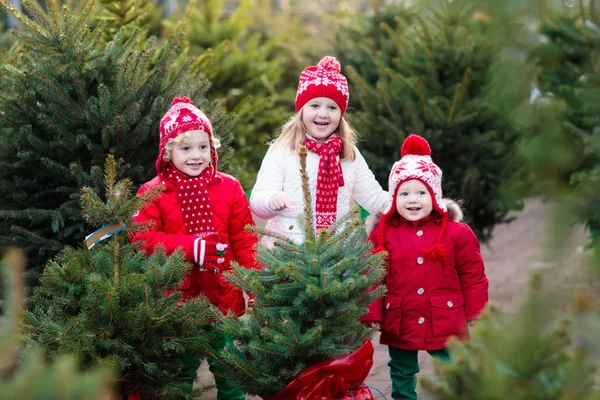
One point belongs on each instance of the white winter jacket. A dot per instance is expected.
(280, 171)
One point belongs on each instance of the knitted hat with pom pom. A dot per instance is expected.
(416, 163)
(182, 117)
(323, 80)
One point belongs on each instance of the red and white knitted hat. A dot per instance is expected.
(183, 116)
(323, 80)
(416, 163)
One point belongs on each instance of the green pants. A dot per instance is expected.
(404, 366)
(225, 391)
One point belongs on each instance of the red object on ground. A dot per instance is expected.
(339, 379)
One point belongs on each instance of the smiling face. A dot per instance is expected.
(192, 154)
(321, 117)
(413, 200)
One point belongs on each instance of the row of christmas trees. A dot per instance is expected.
(71, 91)
(92, 80)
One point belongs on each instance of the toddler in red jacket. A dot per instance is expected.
(435, 275)
(202, 211)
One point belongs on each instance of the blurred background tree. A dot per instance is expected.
(252, 53)
(552, 351)
(429, 70)
(25, 374)
(568, 61)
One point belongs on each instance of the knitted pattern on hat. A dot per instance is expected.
(323, 80)
(182, 117)
(416, 163)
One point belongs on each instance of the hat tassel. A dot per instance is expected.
(437, 252)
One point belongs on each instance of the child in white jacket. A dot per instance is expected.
(337, 172)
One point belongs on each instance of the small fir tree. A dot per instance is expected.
(107, 304)
(309, 297)
(27, 376)
(433, 79)
(67, 100)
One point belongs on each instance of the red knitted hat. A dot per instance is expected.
(183, 116)
(416, 163)
(323, 80)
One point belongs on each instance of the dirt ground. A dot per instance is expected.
(516, 249)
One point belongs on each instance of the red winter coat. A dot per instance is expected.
(428, 301)
(231, 214)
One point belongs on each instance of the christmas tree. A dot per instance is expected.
(549, 353)
(27, 376)
(68, 99)
(309, 298)
(567, 58)
(244, 49)
(431, 73)
(131, 15)
(106, 303)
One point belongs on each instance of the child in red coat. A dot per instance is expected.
(435, 276)
(203, 212)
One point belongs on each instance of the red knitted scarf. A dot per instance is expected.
(194, 200)
(329, 179)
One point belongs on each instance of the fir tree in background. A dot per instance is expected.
(252, 56)
(67, 100)
(28, 377)
(128, 14)
(568, 59)
(108, 306)
(434, 81)
(309, 298)
(550, 353)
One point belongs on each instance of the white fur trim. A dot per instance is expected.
(202, 251)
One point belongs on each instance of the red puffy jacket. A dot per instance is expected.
(231, 214)
(428, 301)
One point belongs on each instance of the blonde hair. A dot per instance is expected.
(215, 143)
(293, 133)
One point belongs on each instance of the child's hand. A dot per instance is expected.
(471, 322)
(372, 324)
(279, 202)
(209, 250)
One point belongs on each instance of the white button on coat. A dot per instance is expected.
(419, 233)
(420, 290)
(450, 304)
(420, 260)
(421, 320)
(387, 306)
